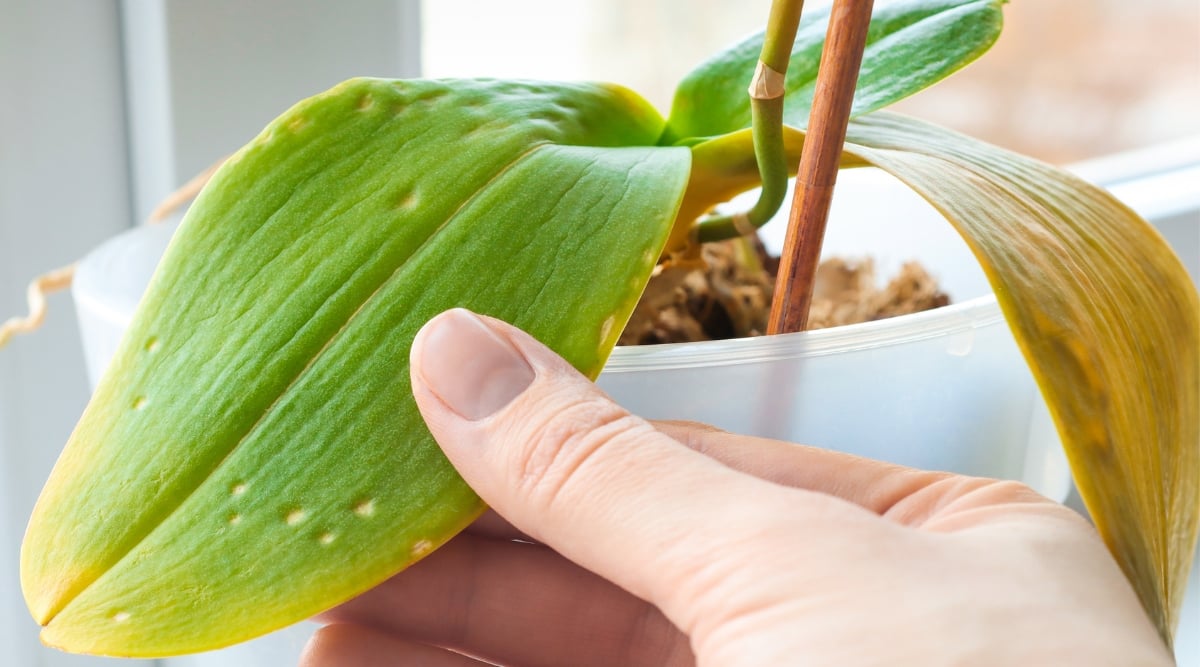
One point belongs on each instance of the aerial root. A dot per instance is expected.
(60, 279)
(185, 193)
(42, 286)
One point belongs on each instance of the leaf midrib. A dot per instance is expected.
(296, 379)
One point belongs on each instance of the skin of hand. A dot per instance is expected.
(625, 542)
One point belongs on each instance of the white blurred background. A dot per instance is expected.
(108, 105)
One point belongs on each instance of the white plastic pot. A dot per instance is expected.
(945, 389)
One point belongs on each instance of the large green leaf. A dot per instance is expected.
(254, 455)
(911, 44)
(1108, 320)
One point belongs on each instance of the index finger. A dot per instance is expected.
(903, 494)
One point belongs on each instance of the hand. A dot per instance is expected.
(671, 544)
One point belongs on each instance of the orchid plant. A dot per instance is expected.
(254, 456)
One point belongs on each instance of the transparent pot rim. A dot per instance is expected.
(947, 321)
(85, 300)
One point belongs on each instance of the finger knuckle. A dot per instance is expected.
(561, 449)
(981, 491)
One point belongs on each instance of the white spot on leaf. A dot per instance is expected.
(421, 547)
(407, 202)
(606, 328)
(365, 508)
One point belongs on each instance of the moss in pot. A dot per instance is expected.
(323, 245)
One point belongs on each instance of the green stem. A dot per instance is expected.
(781, 34)
(766, 114)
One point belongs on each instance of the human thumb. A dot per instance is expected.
(560, 460)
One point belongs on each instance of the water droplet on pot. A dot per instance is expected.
(960, 344)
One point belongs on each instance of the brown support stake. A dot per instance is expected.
(836, 78)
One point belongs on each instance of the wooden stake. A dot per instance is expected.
(836, 79)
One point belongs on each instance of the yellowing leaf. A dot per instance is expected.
(1107, 318)
(1105, 313)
